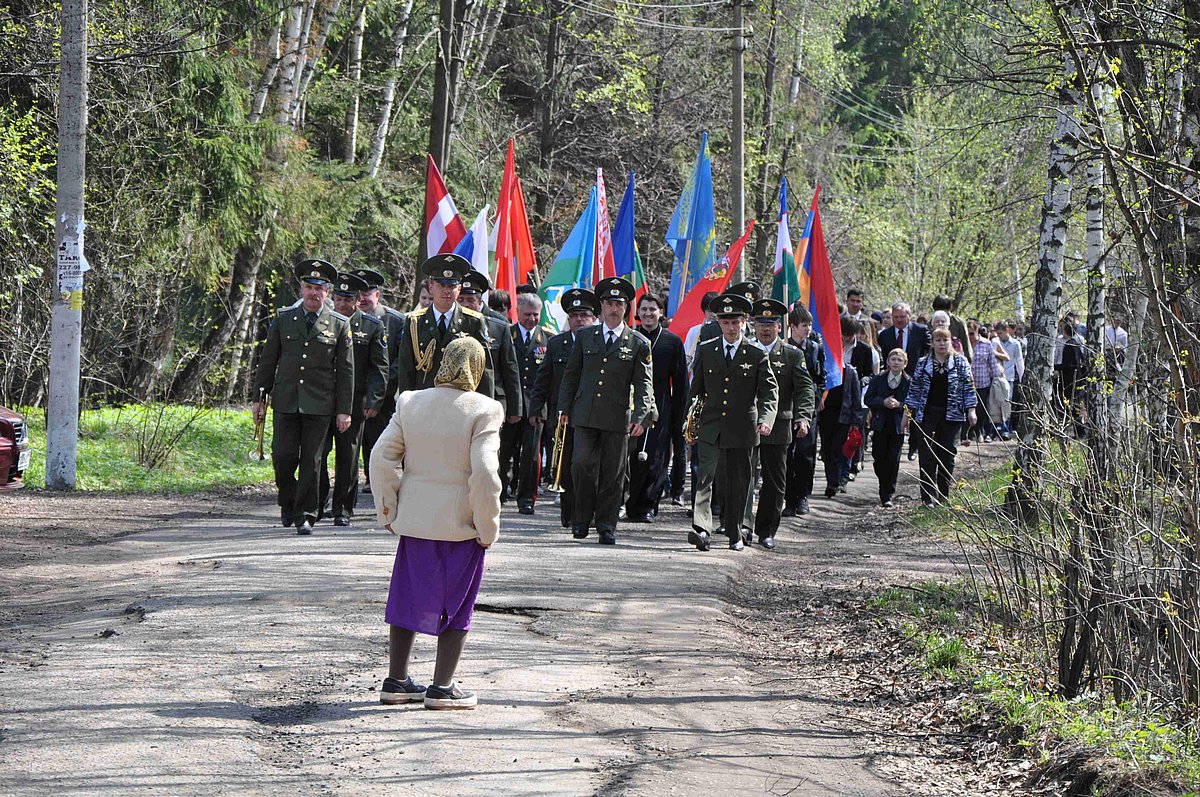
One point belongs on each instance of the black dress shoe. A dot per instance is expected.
(643, 518)
(737, 545)
(802, 509)
(789, 511)
(305, 528)
(285, 519)
(579, 532)
(699, 539)
(677, 500)
(747, 536)
(525, 509)
(341, 520)
(768, 543)
(912, 455)
(608, 537)
(830, 492)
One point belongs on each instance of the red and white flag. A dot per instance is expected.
(444, 228)
(604, 266)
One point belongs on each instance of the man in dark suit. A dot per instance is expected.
(648, 476)
(802, 453)
(501, 365)
(610, 364)
(906, 334)
(733, 378)
(520, 442)
(430, 329)
(393, 329)
(581, 308)
(795, 409)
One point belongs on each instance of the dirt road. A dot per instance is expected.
(206, 650)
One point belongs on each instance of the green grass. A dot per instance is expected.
(128, 449)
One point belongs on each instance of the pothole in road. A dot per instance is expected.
(283, 716)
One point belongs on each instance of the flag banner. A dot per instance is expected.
(717, 279)
(784, 287)
(505, 277)
(823, 303)
(522, 238)
(627, 262)
(801, 259)
(604, 240)
(444, 229)
(573, 266)
(692, 234)
(473, 246)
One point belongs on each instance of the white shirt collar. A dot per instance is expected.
(764, 346)
(618, 331)
(438, 314)
(735, 344)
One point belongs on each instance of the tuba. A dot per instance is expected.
(691, 426)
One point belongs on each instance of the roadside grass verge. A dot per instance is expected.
(157, 448)
(965, 636)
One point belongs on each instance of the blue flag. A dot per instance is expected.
(692, 235)
(624, 248)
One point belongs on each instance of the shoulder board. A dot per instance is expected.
(370, 319)
(419, 312)
(336, 316)
(547, 330)
(467, 311)
(282, 311)
(393, 311)
(639, 336)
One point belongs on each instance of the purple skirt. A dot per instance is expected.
(434, 585)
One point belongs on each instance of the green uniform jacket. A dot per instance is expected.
(421, 325)
(795, 391)
(393, 323)
(370, 361)
(304, 370)
(599, 381)
(529, 359)
(503, 367)
(543, 401)
(737, 397)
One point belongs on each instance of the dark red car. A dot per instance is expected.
(14, 449)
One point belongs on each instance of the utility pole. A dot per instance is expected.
(738, 150)
(66, 319)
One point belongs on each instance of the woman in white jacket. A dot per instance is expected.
(435, 475)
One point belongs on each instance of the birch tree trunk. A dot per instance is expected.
(285, 96)
(302, 52)
(350, 144)
(388, 98)
(268, 77)
(762, 243)
(328, 18)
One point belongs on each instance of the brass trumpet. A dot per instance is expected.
(556, 454)
(260, 429)
(691, 426)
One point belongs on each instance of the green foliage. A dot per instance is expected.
(209, 453)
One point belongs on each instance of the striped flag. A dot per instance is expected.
(627, 262)
(785, 286)
(444, 229)
(822, 294)
(604, 240)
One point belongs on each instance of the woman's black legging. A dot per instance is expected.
(939, 447)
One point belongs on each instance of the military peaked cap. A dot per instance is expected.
(446, 268)
(316, 271)
(349, 285)
(475, 282)
(370, 276)
(730, 305)
(750, 289)
(577, 299)
(617, 289)
(768, 310)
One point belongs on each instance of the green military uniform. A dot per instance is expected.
(420, 353)
(519, 442)
(502, 368)
(307, 368)
(370, 381)
(602, 377)
(739, 393)
(795, 404)
(393, 331)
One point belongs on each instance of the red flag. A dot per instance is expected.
(443, 226)
(522, 238)
(605, 267)
(823, 300)
(506, 278)
(717, 279)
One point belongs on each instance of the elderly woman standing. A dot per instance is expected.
(941, 399)
(436, 477)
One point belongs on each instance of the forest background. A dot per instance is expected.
(228, 140)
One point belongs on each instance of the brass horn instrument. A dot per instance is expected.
(691, 426)
(556, 454)
(260, 429)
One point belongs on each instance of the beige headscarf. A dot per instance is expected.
(462, 365)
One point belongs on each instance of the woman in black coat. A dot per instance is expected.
(885, 398)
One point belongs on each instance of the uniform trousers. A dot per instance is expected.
(566, 499)
(648, 480)
(345, 466)
(801, 466)
(886, 446)
(373, 427)
(679, 449)
(731, 469)
(598, 476)
(525, 451)
(299, 443)
(939, 447)
(833, 437)
(510, 458)
(772, 463)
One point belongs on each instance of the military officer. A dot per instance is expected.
(501, 364)
(733, 378)
(794, 412)
(370, 379)
(430, 329)
(802, 454)
(581, 308)
(307, 367)
(648, 474)
(369, 301)
(520, 442)
(610, 364)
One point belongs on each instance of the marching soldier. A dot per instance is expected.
(610, 364)
(648, 475)
(501, 363)
(370, 379)
(581, 308)
(429, 330)
(393, 329)
(307, 367)
(733, 379)
(802, 454)
(520, 442)
(795, 409)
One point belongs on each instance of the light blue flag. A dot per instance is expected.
(692, 235)
(573, 266)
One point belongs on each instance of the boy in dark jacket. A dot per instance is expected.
(885, 399)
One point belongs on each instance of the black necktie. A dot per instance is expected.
(442, 326)
(611, 337)
(900, 340)
(310, 319)
(728, 353)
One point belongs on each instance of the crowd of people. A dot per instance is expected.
(607, 418)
